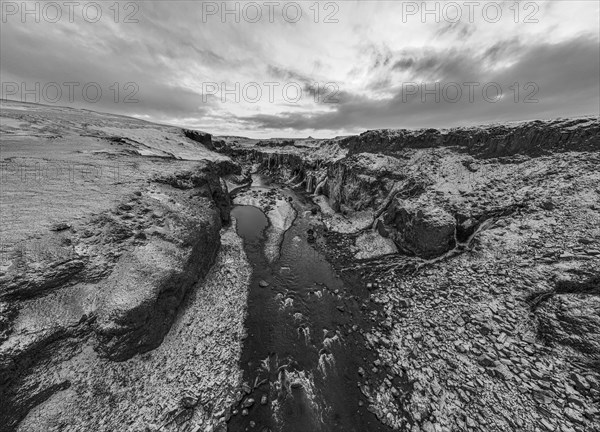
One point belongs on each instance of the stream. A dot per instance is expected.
(302, 352)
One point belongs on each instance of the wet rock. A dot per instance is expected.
(248, 403)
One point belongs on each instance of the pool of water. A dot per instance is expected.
(301, 357)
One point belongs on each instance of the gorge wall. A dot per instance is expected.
(418, 186)
(127, 219)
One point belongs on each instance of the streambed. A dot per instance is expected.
(302, 352)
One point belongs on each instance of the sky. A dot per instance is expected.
(297, 69)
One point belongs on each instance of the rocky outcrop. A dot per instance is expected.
(362, 181)
(204, 181)
(366, 173)
(147, 285)
(124, 283)
(529, 138)
(421, 228)
(570, 315)
(200, 137)
(99, 257)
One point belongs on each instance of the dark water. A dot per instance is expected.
(301, 352)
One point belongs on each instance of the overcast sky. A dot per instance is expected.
(371, 60)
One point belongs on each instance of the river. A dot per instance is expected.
(303, 351)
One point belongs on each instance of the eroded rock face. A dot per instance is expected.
(134, 267)
(362, 181)
(201, 137)
(143, 292)
(99, 262)
(533, 138)
(570, 315)
(421, 228)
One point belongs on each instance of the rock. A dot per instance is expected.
(427, 426)
(486, 361)
(200, 137)
(580, 382)
(572, 319)
(574, 416)
(352, 181)
(248, 403)
(188, 401)
(547, 425)
(263, 283)
(372, 245)
(585, 240)
(485, 329)
(548, 205)
(60, 226)
(421, 228)
(542, 397)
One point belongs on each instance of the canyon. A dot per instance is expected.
(155, 278)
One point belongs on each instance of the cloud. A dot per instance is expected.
(363, 63)
(563, 76)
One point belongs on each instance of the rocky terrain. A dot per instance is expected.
(488, 317)
(472, 257)
(108, 226)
